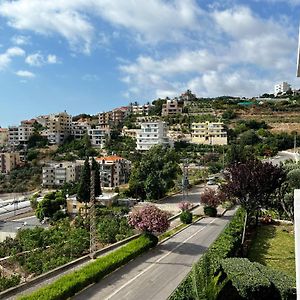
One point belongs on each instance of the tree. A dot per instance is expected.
(95, 167)
(252, 184)
(83, 193)
(212, 197)
(150, 219)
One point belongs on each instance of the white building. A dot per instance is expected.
(79, 130)
(20, 134)
(142, 110)
(281, 88)
(151, 134)
(56, 174)
(208, 133)
(171, 107)
(99, 136)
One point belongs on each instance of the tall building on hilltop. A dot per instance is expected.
(281, 88)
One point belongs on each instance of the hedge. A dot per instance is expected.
(226, 245)
(246, 280)
(70, 284)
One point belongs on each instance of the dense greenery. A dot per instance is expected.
(7, 282)
(66, 286)
(155, 174)
(186, 217)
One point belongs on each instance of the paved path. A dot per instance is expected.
(155, 274)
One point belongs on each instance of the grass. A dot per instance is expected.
(274, 247)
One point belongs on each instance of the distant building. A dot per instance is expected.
(79, 130)
(187, 96)
(208, 133)
(141, 110)
(171, 107)
(57, 174)
(3, 136)
(20, 134)
(9, 161)
(129, 132)
(281, 88)
(114, 170)
(151, 134)
(99, 136)
(114, 117)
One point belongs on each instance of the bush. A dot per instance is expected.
(6, 283)
(68, 285)
(186, 217)
(210, 211)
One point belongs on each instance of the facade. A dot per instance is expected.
(79, 130)
(59, 127)
(142, 110)
(114, 170)
(3, 136)
(129, 132)
(20, 134)
(99, 136)
(151, 134)
(114, 117)
(208, 133)
(9, 161)
(56, 174)
(171, 107)
(281, 88)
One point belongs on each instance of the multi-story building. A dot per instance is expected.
(142, 110)
(20, 134)
(56, 174)
(79, 129)
(151, 134)
(129, 132)
(114, 117)
(99, 136)
(9, 161)
(171, 107)
(281, 88)
(114, 170)
(59, 127)
(208, 133)
(3, 136)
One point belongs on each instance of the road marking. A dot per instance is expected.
(157, 261)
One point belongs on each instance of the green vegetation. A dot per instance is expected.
(68, 285)
(274, 246)
(8, 282)
(186, 217)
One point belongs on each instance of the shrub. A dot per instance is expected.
(150, 219)
(186, 217)
(210, 211)
(212, 197)
(68, 285)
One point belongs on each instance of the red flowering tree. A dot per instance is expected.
(185, 205)
(150, 219)
(212, 197)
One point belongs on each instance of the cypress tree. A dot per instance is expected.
(83, 192)
(96, 168)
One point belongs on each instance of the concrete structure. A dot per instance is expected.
(79, 129)
(208, 133)
(281, 88)
(171, 107)
(3, 136)
(151, 134)
(114, 117)
(142, 110)
(129, 132)
(56, 174)
(99, 136)
(114, 170)
(9, 161)
(59, 127)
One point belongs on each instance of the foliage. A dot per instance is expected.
(83, 192)
(37, 141)
(149, 219)
(212, 197)
(155, 174)
(95, 167)
(68, 285)
(226, 245)
(210, 211)
(185, 205)
(186, 217)
(7, 282)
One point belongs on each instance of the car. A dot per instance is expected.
(210, 182)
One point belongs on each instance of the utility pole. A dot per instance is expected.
(185, 180)
(93, 231)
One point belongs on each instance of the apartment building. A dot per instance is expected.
(56, 174)
(151, 134)
(208, 133)
(3, 136)
(20, 134)
(114, 170)
(142, 110)
(9, 161)
(99, 136)
(59, 127)
(281, 88)
(79, 130)
(114, 117)
(171, 107)
(129, 132)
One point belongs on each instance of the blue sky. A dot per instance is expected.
(93, 55)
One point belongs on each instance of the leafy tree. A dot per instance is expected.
(150, 219)
(212, 197)
(83, 192)
(253, 183)
(37, 141)
(249, 138)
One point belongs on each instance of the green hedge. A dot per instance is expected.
(226, 245)
(243, 279)
(68, 285)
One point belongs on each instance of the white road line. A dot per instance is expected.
(157, 261)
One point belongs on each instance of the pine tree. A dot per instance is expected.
(83, 192)
(95, 167)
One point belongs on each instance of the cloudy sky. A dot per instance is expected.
(94, 55)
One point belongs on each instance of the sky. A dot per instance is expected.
(89, 56)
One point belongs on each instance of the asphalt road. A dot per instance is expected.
(283, 156)
(155, 274)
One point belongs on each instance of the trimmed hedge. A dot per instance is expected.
(70, 284)
(186, 217)
(243, 279)
(226, 245)
(210, 211)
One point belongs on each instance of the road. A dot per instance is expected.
(155, 274)
(282, 156)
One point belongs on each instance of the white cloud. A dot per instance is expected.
(6, 57)
(20, 40)
(38, 60)
(25, 74)
(90, 77)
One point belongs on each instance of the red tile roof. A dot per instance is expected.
(109, 158)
